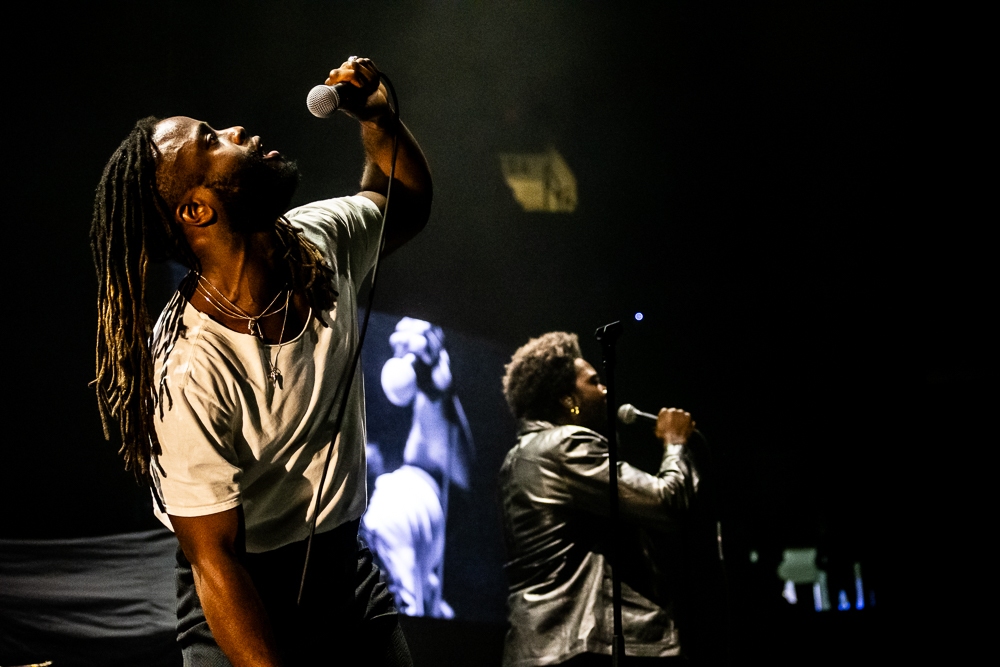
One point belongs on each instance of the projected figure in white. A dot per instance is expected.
(405, 521)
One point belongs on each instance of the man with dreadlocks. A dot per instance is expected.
(228, 406)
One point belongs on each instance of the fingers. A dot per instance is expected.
(359, 72)
(674, 415)
(674, 425)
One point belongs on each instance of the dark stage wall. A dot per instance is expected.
(785, 190)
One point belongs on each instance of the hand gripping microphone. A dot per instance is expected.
(323, 101)
(628, 413)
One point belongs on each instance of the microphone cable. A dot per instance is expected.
(714, 507)
(361, 336)
(724, 599)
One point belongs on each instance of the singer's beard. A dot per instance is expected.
(258, 191)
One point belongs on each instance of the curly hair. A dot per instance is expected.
(540, 373)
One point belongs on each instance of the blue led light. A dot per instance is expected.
(638, 317)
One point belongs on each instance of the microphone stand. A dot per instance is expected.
(607, 335)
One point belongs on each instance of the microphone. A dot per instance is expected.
(323, 101)
(628, 413)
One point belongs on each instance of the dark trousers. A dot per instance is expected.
(346, 608)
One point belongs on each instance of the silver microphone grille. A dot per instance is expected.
(627, 413)
(323, 101)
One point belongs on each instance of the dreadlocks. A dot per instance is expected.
(130, 223)
(133, 224)
(310, 271)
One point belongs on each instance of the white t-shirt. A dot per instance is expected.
(228, 437)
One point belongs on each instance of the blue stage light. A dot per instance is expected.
(638, 317)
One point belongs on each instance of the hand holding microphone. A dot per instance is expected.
(355, 87)
(673, 425)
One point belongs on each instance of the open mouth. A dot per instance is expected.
(259, 147)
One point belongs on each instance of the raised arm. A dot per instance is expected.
(653, 501)
(233, 609)
(411, 190)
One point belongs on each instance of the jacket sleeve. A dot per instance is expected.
(651, 501)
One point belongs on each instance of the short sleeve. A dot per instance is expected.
(196, 471)
(346, 229)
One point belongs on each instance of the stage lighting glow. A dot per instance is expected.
(540, 181)
(638, 317)
(799, 565)
(789, 592)
(821, 596)
(859, 588)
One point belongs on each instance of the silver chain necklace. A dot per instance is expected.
(275, 375)
(230, 309)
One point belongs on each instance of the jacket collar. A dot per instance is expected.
(533, 426)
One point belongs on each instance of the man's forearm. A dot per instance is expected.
(412, 191)
(412, 171)
(234, 612)
(656, 501)
(652, 501)
(379, 127)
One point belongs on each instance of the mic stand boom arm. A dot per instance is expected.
(607, 335)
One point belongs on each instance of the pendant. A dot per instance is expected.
(275, 377)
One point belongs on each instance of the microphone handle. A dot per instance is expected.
(347, 93)
(652, 417)
(645, 415)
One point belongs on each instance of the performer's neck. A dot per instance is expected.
(244, 267)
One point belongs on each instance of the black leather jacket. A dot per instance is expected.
(554, 493)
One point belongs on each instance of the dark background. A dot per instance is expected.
(790, 192)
